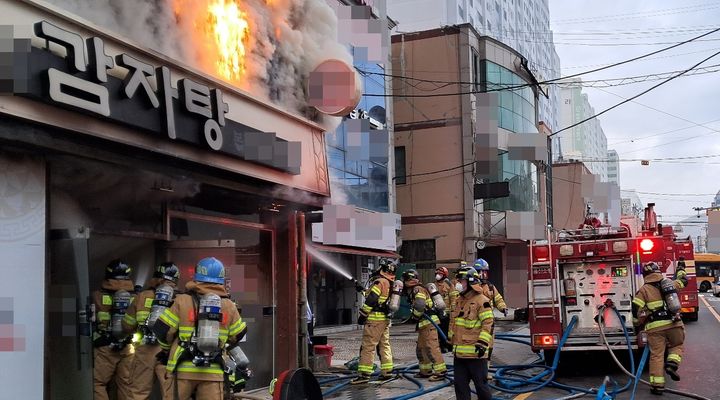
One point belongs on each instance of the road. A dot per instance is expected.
(700, 370)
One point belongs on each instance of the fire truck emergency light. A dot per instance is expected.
(541, 253)
(647, 244)
(545, 340)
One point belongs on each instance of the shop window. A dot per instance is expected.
(400, 171)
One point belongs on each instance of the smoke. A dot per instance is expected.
(338, 195)
(287, 39)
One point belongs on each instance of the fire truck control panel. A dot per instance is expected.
(586, 286)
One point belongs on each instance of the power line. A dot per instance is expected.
(640, 14)
(661, 133)
(635, 96)
(546, 81)
(435, 172)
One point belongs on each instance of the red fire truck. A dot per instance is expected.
(581, 270)
(676, 248)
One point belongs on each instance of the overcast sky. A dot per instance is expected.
(692, 100)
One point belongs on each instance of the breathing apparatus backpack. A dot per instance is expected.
(163, 299)
(204, 348)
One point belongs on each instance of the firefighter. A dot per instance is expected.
(471, 327)
(653, 312)
(483, 269)
(140, 317)
(376, 331)
(445, 286)
(196, 329)
(449, 294)
(680, 273)
(113, 350)
(430, 358)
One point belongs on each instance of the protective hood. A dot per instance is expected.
(203, 288)
(114, 285)
(388, 276)
(654, 277)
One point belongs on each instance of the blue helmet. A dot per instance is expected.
(481, 265)
(210, 270)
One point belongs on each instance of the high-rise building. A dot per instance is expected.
(524, 25)
(586, 141)
(613, 167)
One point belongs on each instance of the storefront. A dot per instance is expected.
(111, 151)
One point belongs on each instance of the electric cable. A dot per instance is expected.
(635, 96)
(696, 38)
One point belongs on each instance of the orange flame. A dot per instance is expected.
(228, 26)
(221, 34)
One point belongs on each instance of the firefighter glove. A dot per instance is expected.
(162, 357)
(481, 348)
(241, 378)
(358, 287)
(362, 318)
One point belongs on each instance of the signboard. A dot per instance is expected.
(348, 226)
(85, 80)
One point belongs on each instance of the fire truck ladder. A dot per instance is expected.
(544, 283)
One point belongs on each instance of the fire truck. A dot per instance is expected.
(577, 272)
(677, 250)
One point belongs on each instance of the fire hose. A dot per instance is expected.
(636, 377)
(511, 380)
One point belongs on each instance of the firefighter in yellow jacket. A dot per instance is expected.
(113, 350)
(471, 326)
(139, 319)
(376, 331)
(655, 310)
(450, 295)
(195, 330)
(431, 362)
(489, 290)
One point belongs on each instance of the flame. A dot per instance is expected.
(228, 26)
(221, 34)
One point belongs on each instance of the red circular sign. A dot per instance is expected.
(334, 88)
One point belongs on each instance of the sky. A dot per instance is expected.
(610, 26)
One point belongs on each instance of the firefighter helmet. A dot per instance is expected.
(410, 278)
(117, 269)
(168, 271)
(442, 271)
(387, 265)
(210, 270)
(469, 274)
(650, 268)
(483, 268)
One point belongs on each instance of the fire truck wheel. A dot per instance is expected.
(693, 317)
(704, 286)
(549, 356)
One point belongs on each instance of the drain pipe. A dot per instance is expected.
(302, 292)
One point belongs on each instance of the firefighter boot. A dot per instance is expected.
(671, 369)
(657, 391)
(437, 377)
(360, 379)
(386, 376)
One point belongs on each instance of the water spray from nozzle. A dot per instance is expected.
(328, 261)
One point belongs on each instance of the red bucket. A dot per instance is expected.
(324, 350)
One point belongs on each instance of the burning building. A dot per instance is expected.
(189, 139)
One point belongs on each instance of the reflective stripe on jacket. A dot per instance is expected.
(178, 322)
(381, 289)
(471, 322)
(649, 298)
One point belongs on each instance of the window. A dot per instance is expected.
(418, 251)
(400, 170)
(477, 75)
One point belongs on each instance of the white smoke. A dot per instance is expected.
(287, 40)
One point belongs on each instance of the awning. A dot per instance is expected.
(355, 251)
